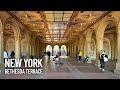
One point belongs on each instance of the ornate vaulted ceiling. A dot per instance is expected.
(57, 26)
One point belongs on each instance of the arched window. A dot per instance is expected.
(49, 48)
(63, 50)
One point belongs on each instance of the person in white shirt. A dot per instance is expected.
(5, 55)
(102, 58)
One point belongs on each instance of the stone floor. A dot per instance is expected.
(71, 69)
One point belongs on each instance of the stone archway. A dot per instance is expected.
(100, 33)
(17, 35)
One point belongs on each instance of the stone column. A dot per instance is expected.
(28, 45)
(17, 47)
(73, 45)
(70, 50)
(81, 46)
(73, 48)
(33, 46)
(1, 49)
(78, 44)
(37, 48)
(40, 49)
(112, 50)
(117, 70)
(36, 51)
(1, 53)
(99, 47)
(87, 46)
(115, 43)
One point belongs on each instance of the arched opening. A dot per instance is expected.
(110, 41)
(49, 48)
(110, 44)
(11, 29)
(9, 39)
(63, 50)
(56, 50)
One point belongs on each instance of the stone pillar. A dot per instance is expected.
(18, 48)
(117, 70)
(115, 43)
(99, 47)
(78, 44)
(1, 53)
(40, 49)
(37, 48)
(87, 46)
(36, 51)
(33, 46)
(73, 45)
(28, 45)
(81, 45)
(1, 49)
(112, 50)
(43, 47)
(70, 49)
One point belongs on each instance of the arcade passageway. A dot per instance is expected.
(32, 33)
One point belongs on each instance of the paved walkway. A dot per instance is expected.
(71, 69)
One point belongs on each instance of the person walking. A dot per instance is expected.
(103, 59)
(77, 55)
(12, 55)
(80, 56)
